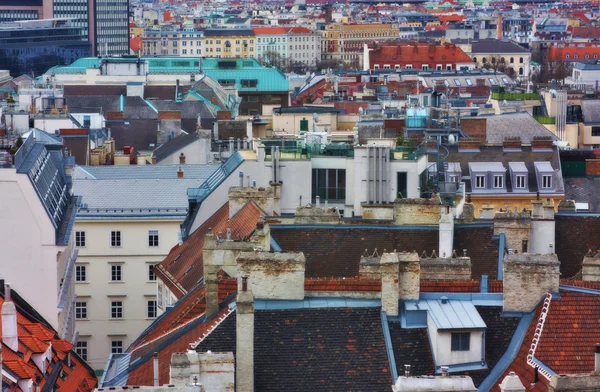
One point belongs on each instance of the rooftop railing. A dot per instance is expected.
(216, 178)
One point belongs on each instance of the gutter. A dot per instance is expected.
(501, 245)
(388, 346)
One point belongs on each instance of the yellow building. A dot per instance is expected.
(136, 31)
(345, 41)
(229, 43)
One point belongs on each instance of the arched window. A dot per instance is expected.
(587, 56)
(512, 60)
(576, 56)
(595, 55)
(521, 60)
(483, 61)
(567, 56)
(475, 60)
(521, 71)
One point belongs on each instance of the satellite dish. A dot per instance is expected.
(452, 139)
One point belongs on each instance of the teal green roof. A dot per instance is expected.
(268, 79)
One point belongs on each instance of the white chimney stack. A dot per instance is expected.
(244, 361)
(10, 336)
(155, 360)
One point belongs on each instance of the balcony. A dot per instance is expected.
(515, 96)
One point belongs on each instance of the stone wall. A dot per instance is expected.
(378, 211)
(409, 277)
(514, 225)
(273, 275)
(527, 278)
(214, 371)
(244, 342)
(448, 268)
(316, 215)
(369, 267)
(389, 283)
(575, 382)
(591, 267)
(268, 199)
(417, 211)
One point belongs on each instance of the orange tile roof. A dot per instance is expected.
(182, 269)
(401, 53)
(341, 284)
(36, 337)
(269, 30)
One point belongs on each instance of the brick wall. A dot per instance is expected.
(169, 115)
(592, 167)
(527, 278)
(475, 128)
(114, 115)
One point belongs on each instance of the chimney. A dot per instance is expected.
(182, 159)
(591, 267)
(389, 283)
(542, 237)
(499, 26)
(512, 383)
(10, 336)
(155, 365)
(596, 358)
(445, 371)
(446, 233)
(406, 370)
(515, 225)
(180, 173)
(409, 275)
(274, 275)
(244, 344)
(211, 279)
(153, 160)
(527, 278)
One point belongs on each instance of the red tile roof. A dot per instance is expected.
(415, 53)
(341, 284)
(269, 30)
(570, 53)
(34, 338)
(182, 269)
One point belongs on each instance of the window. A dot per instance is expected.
(329, 184)
(595, 131)
(249, 82)
(461, 341)
(80, 239)
(546, 181)
(521, 60)
(115, 238)
(159, 296)
(448, 68)
(116, 346)
(457, 82)
(469, 83)
(116, 272)
(479, 181)
(152, 309)
(82, 350)
(425, 67)
(453, 178)
(116, 309)
(498, 181)
(153, 238)
(81, 310)
(520, 182)
(80, 273)
(151, 274)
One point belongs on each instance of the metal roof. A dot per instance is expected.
(486, 166)
(543, 167)
(449, 314)
(518, 167)
(139, 172)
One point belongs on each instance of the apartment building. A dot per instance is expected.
(304, 45)
(184, 43)
(230, 43)
(129, 219)
(345, 41)
(38, 212)
(271, 39)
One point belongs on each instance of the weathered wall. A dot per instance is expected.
(389, 283)
(417, 211)
(514, 225)
(316, 215)
(273, 275)
(214, 371)
(409, 277)
(527, 278)
(591, 268)
(378, 211)
(458, 268)
(369, 267)
(575, 382)
(244, 342)
(266, 198)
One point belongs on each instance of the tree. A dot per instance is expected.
(274, 59)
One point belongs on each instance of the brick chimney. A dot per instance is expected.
(389, 283)
(409, 275)
(10, 335)
(182, 159)
(273, 275)
(591, 267)
(499, 26)
(514, 225)
(180, 173)
(244, 343)
(527, 278)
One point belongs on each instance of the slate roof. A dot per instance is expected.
(189, 110)
(591, 111)
(35, 336)
(174, 145)
(495, 46)
(411, 347)
(317, 349)
(583, 190)
(512, 125)
(142, 172)
(496, 154)
(93, 103)
(335, 251)
(481, 248)
(175, 268)
(575, 236)
(101, 198)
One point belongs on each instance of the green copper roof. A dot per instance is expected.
(267, 79)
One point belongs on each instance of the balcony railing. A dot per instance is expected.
(501, 96)
(216, 178)
(545, 120)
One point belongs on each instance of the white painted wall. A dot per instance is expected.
(195, 153)
(135, 290)
(51, 125)
(542, 235)
(441, 346)
(29, 251)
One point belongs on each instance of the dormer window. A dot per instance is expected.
(520, 182)
(547, 181)
(498, 181)
(461, 341)
(479, 181)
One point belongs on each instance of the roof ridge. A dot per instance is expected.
(193, 345)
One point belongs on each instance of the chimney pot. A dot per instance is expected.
(445, 371)
(180, 173)
(406, 370)
(182, 159)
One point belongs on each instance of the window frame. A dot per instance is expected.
(115, 239)
(116, 310)
(116, 272)
(151, 309)
(80, 239)
(460, 341)
(81, 310)
(498, 181)
(520, 178)
(153, 239)
(81, 349)
(548, 178)
(477, 177)
(151, 273)
(116, 346)
(78, 274)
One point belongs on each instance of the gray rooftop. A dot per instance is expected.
(514, 125)
(195, 172)
(591, 111)
(450, 314)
